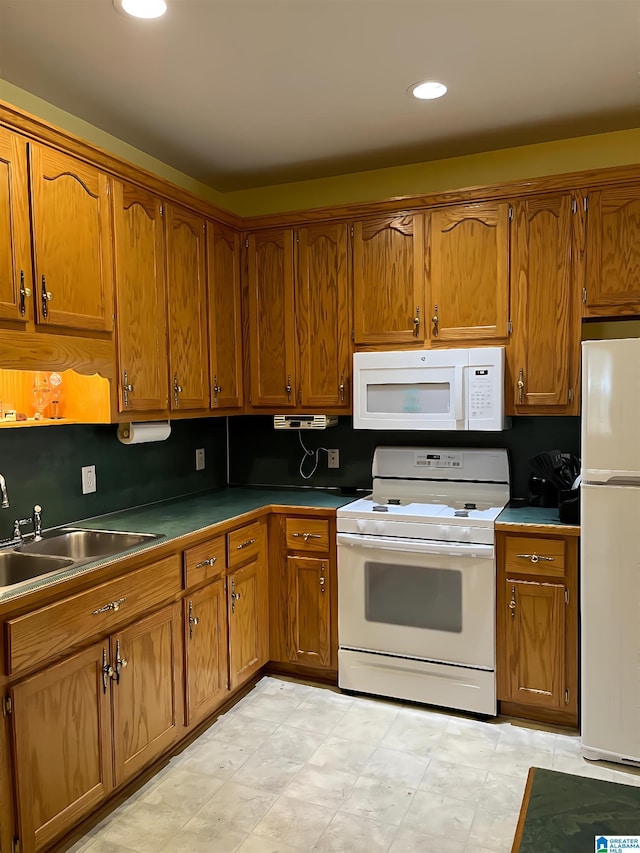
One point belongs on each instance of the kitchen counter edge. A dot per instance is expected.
(534, 520)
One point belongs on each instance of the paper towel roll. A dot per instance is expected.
(144, 432)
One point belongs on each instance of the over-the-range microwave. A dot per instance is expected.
(444, 389)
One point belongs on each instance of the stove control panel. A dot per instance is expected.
(425, 459)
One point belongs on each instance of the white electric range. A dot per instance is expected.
(416, 577)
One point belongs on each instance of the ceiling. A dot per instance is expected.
(244, 93)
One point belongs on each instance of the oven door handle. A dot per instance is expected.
(416, 546)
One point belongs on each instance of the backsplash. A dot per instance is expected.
(42, 465)
(260, 455)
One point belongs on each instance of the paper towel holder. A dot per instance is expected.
(144, 432)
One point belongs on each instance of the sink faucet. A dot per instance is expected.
(3, 491)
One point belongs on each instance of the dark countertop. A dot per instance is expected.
(180, 517)
(534, 519)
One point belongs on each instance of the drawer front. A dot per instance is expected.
(533, 555)
(246, 543)
(308, 534)
(48, 632)
(204, 562)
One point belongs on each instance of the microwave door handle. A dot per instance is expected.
(458, 399)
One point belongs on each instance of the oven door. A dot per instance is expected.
(419, 598)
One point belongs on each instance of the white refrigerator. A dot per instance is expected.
(610, 550)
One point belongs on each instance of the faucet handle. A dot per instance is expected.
(37, 522)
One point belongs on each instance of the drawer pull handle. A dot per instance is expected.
(307, 536)
(245, 544)
(535, 558)
(112, 605)
(208, 562)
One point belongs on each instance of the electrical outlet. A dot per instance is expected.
(200, 459)
(88, 479)
(334, 458)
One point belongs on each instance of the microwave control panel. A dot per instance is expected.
(481, 398)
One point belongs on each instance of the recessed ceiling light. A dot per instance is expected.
(142, 8)
(427, 91)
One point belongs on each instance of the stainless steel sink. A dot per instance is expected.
(15, 568)
(86, 545)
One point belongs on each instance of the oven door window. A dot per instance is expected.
(413, 596)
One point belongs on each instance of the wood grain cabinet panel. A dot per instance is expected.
(147, 690)
(246, 543)
(205, 620)
(204, 562)
(613, 251)
(323, 317)
(309, 611)
(16, 287)
(62, 746)
(389, 280)
(248, 615)
(72, 242)
(225, 322)
(469, 266)
(271, 318)
(187, 300)
(143, 383)
(545, 349)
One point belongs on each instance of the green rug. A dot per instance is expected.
(567, 813)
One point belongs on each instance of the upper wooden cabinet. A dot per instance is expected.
(72, 251)
(16, 288)
(271, 318)
(187, 300)
(143, 383)
(469, 272)
(323, 316)
(613, 251)
(225, 323)
(388, 280)
(544, 353)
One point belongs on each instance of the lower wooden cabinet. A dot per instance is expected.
(537, 633)
(205, 643)
(248, 613)
(309, 611)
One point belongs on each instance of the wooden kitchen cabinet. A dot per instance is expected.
(72, 242)
(389, 280)
(16, 286)
(143, 372)
(271, 318)
(225, 322)
(247, 602)
(62, 740)
(309, 598)
(205, 621)
(537, 626)
(469, 273)
(187, 309)
(544, 352)
(612, 285)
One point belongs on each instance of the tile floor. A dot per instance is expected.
(294, 768)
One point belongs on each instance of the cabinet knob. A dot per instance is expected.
(416, 322)
(177, 389)
(521, 386)
(435, 322)
(288, 388)
(47, 296)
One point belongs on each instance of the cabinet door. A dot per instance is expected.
(309, 611)
(535, 639)
(469, 272)
(15, 250)
(225, 327)
(613, 251)
(71, 241)
(187, 297)
(147, 697)
(248, 609)
(141, 300)
(205, 619)
(546, 337)
(388, 280)
(271, 318)
(62, 746)
(323, 316)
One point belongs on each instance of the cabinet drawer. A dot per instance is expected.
(246, 543)
(533, 555)
(307, 534)
(46, 633)
(204, 562)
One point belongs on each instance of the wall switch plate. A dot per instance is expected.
(334, 458)
(200, 459)
(88, 479)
